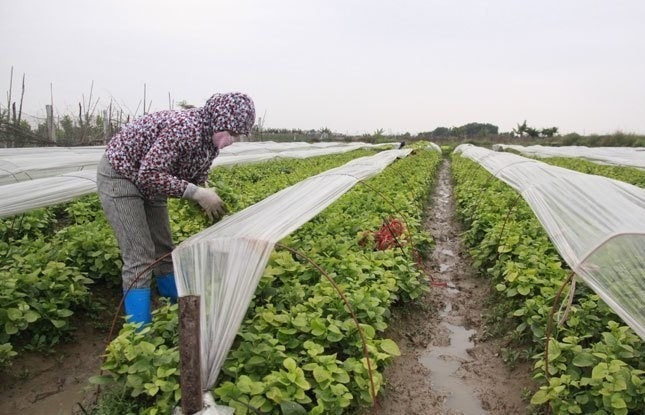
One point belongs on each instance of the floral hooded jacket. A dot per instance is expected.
(162, 152)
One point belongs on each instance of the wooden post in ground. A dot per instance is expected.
(190, 378)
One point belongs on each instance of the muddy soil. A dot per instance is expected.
(448, 364)
(54, 383)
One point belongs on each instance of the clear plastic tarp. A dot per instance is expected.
(29, 163)
(618, 156)
(597, 224)
(32, 178)
(248, 152)
(25, 196)
(434, 147)
(224, 263)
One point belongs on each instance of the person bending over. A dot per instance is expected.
(157, 156)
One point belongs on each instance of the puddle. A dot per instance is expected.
(451, 288)
(446, 310)
(444, 362)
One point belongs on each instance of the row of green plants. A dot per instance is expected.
(299, 349)
(50, 259)
(629, 175)
(53, 257)
(595, 362)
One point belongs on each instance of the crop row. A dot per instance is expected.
(629, 175)
(51, 257)
(595, 362)
(299, 345)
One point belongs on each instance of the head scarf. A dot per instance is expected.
(234, 112)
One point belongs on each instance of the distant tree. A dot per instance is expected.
(532, 132)
(476, 129)
(66, 131)
(441, 132)
(523, 129)
(520, 130)
(549, 132)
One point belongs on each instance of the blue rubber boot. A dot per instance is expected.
(167, 287)
(137, 306)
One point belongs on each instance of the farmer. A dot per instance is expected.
(160, 155)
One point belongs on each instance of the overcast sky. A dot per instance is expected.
(351, 66)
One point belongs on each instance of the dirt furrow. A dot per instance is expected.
(448, 366)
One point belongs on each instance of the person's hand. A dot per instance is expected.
(210, 202)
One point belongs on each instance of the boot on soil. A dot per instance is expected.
(167, 287)
(137, 306)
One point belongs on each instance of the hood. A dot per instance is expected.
(233, 112)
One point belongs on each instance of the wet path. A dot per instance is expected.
(447, 366)
(446, 354)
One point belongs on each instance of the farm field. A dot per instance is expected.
(458, 347)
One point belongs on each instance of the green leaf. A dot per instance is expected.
(540, 397)
(313, 349)
(617, 401)
(292, 408)
(256, 361)
(599, 371)
(14, 314)
(341, 376)
(10, 328)
(300, 321)
(146, 347)
(101, 380)
(289, 364)
(31, 316)
(390, 347)
(275, 394)
(321, 374)
(58, 323)
(318, 327)
(583, 359)
(257, 401)
(302, 383)
(503, 248)
(524, 289)
(63, 312)
(554, 349)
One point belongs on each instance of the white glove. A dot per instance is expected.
(209, 201)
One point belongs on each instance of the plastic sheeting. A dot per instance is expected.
(224, 263)
(434, 147)
(32, 178)
(618, 156)
(20, 164)
(25, 196)
(29, 163)
(597, 224)
(249, 152)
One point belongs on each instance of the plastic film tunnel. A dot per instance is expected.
(597, 225)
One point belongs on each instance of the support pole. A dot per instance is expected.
(190, 378)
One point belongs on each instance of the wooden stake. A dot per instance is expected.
(190, 378)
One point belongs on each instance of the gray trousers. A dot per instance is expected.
(141, 226)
